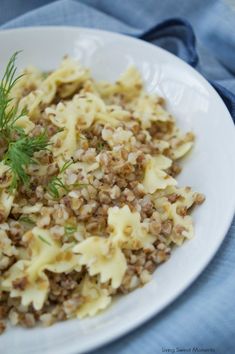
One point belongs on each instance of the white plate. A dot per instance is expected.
(209, 169)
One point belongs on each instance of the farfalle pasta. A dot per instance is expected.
(101, 256)
(101, 206)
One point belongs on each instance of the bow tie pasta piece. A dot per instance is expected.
(25, 123)
(183, 226)
(128, 86)
(112, 116)
(64, 143)
(148, 109)
(177, 211)
(162, 162)
(161, 145)
(70, 73)
(101, 257)
(5, 176)
(181, 150)
(83, 109)
(86, 108)
(155, 178)
(118, 113)
(183, 223)
(30, 80)
(127, 230)
(186, 196)
(27, 209)
(107, 119)
(31, 103)
(48, 254)
(77, 115)
(26, 279)
(89, 108)
(35, 293)
(95, 298)
(31, 209)
(7, 250)
(6, 246)
(70, 70)
(180, 145)
(65, 261)
(6, 203)
(74, 116)
(17, 283)
(6, 197)
(115, 137)
(85, 167)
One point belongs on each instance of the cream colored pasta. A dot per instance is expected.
(101, 207)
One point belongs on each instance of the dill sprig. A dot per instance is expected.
(20, 148)
(66, 166)
(69, 230)
(44, 240)
(56, 183)
(100, 146)
(26, 220)
(20, 155)
(9, 113)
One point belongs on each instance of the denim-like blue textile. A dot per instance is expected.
(201, 32)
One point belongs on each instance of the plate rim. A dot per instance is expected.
(127, 328)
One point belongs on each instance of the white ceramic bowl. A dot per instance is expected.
(209, 169)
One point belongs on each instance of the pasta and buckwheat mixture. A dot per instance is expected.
(89, 202)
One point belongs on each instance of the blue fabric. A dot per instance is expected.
(203, 316)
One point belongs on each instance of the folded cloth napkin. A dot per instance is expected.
(203, 317)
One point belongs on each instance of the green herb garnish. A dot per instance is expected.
(69, 230)
(20, 155)
(82, 137)
(8, 112)
(20, 148)
(44, 240)
(45, 74)
(100, 146)
(54, 185)
(66, 166)
(59, 130)
(56, 182)
(26, 220)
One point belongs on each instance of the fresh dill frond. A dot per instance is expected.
(54, 185)
(82, 137)
(26, 220)
(100, 146)
(8, 113)
(56, 182)
(44, 240)
(45, 74)
(19, 148)
(69, 229)
(59, 130)
(66, 166)
(20, 155)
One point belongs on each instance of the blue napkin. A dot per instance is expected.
(203, 317)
